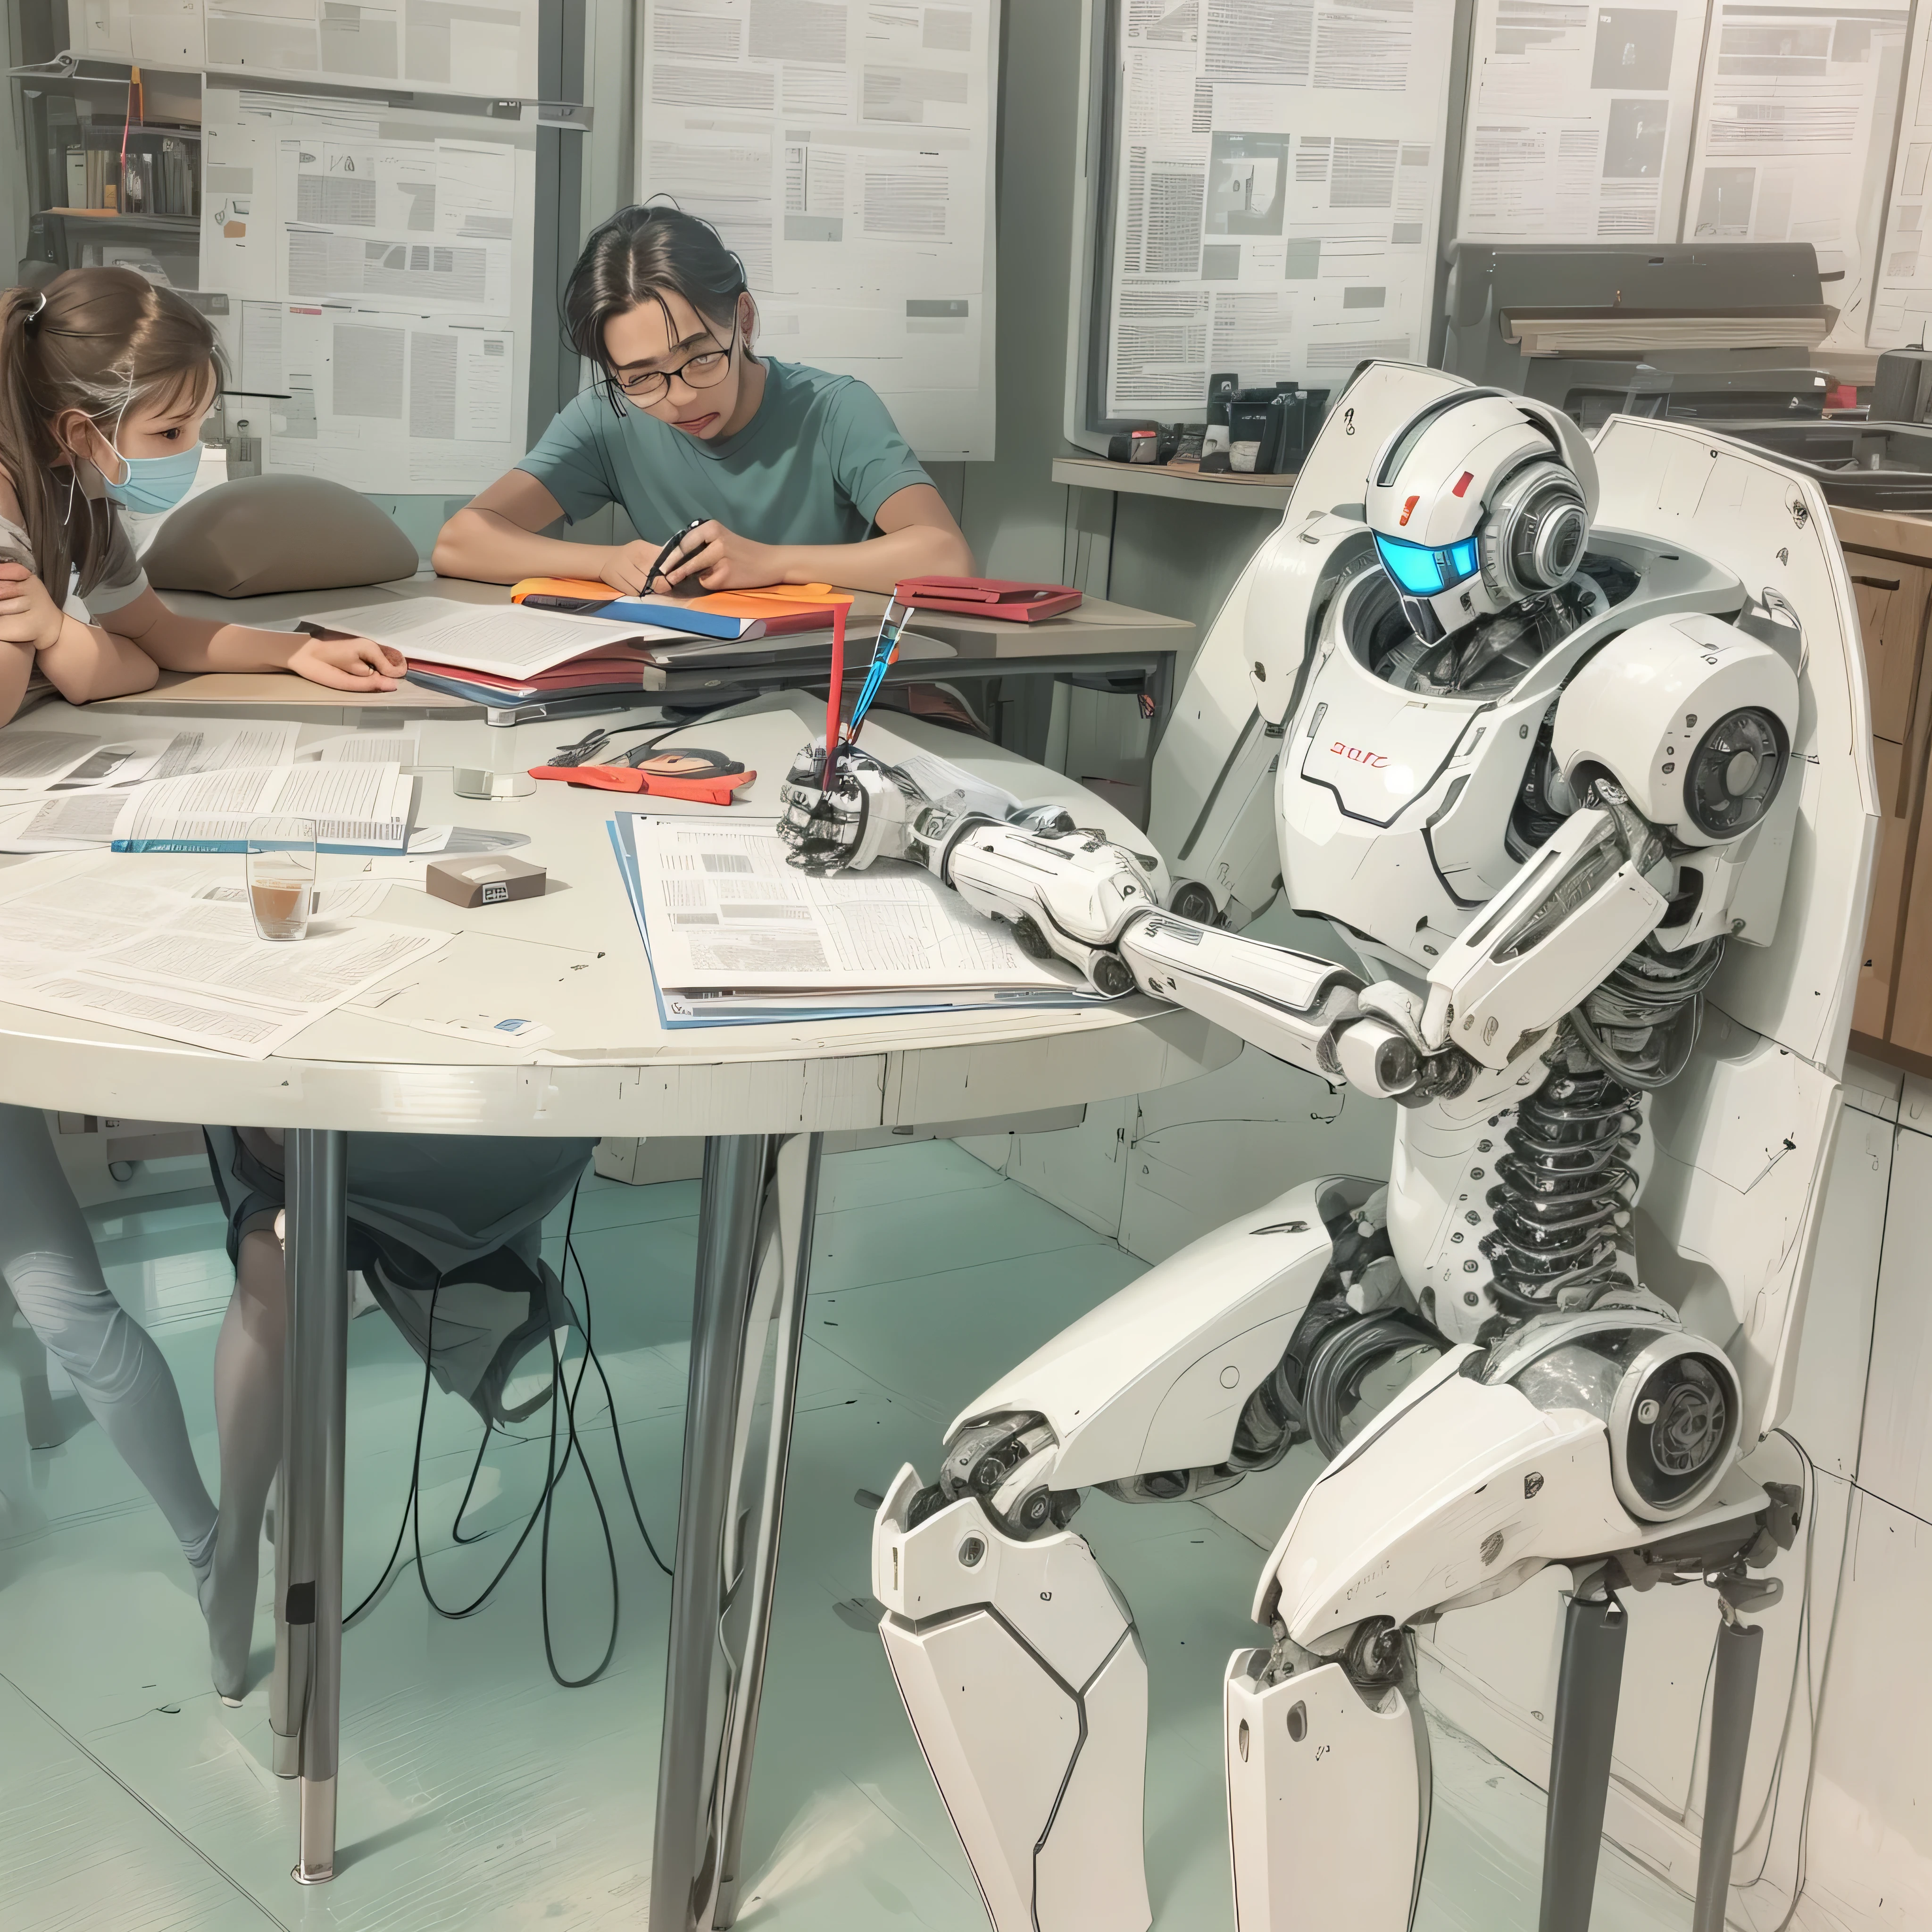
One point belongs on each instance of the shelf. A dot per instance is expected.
(187, 224)
(1188, 486)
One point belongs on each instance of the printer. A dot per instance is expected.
(1718, 333)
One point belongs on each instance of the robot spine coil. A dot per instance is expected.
(1564, 1191)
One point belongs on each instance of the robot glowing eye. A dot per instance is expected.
(1424, 572)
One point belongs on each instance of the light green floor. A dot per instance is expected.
(476, 1793)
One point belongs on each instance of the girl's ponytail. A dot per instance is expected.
(99, 341)
(27, 445)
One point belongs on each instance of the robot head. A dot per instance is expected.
(1477, 501)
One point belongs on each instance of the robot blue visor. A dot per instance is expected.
(1424, 572)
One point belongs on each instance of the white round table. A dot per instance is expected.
(572, 961)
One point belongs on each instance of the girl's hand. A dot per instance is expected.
(716, 559)
(27, 615)
(348, 663)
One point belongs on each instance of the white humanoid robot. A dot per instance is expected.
(1572, 779)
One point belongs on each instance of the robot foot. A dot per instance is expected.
(1023, 1677)
(1327, 1797)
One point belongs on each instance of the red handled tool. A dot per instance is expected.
(627, 778)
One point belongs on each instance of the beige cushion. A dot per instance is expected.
(260, 534)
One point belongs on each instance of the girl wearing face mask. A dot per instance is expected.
(104, 381)
(800, 475)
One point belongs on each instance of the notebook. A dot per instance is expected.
(733, 615)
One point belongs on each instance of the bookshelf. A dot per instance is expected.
(101, 191)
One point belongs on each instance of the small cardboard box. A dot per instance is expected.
(489, 879)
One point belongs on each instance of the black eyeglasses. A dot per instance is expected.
(704, 370)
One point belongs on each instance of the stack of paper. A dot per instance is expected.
(95, 944)
(356, 808)
(505, 654)
(46, 761)
(736, 937)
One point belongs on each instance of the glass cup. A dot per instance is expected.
(280, 863)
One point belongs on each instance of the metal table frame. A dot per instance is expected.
(757, 1208)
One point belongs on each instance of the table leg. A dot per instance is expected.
(732, 1192)
(308, 1552)
(748, 1620)
(288, 1687)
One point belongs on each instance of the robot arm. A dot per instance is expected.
(1679, 731)
(1072, 894)
(1550, 937)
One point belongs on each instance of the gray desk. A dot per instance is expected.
(761, 1095)
(1100, 640)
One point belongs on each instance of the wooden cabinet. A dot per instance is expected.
(1890, 561)
(1891, 620)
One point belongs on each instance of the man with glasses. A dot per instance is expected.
(791, 474)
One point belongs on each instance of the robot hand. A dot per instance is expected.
(868, 814)
(878, 810)
(1065, 893)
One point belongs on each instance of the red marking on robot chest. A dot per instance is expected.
(1408, 510)
(1356, 755)
(1467, 477)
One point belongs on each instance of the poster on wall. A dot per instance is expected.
(845, 152)
(1793, 141)
(485, 48)
(1902, 307)
(1579, 120)
(376, 262)
(1278, 186)
(380, 399)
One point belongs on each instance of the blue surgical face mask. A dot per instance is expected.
(154, 483)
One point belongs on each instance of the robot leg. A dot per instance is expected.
(1328, 1785)
(1023, 1676)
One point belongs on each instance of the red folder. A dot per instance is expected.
(988, 597)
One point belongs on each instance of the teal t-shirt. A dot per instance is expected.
(812, 467)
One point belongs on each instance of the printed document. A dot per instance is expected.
(356, 808)
(1279, 178)
(378, 267)
(1794, 139)
(97, 944)
(458, 46)
(725, 913)
(45, 761)
(1579, 121)
(365, 747)
(845, 153)
(1903, 306)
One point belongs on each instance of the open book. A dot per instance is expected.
(506, 641)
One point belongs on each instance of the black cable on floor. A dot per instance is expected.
(573, 1447)
(563, 1391)
(570, 1255)
(468, 1489)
